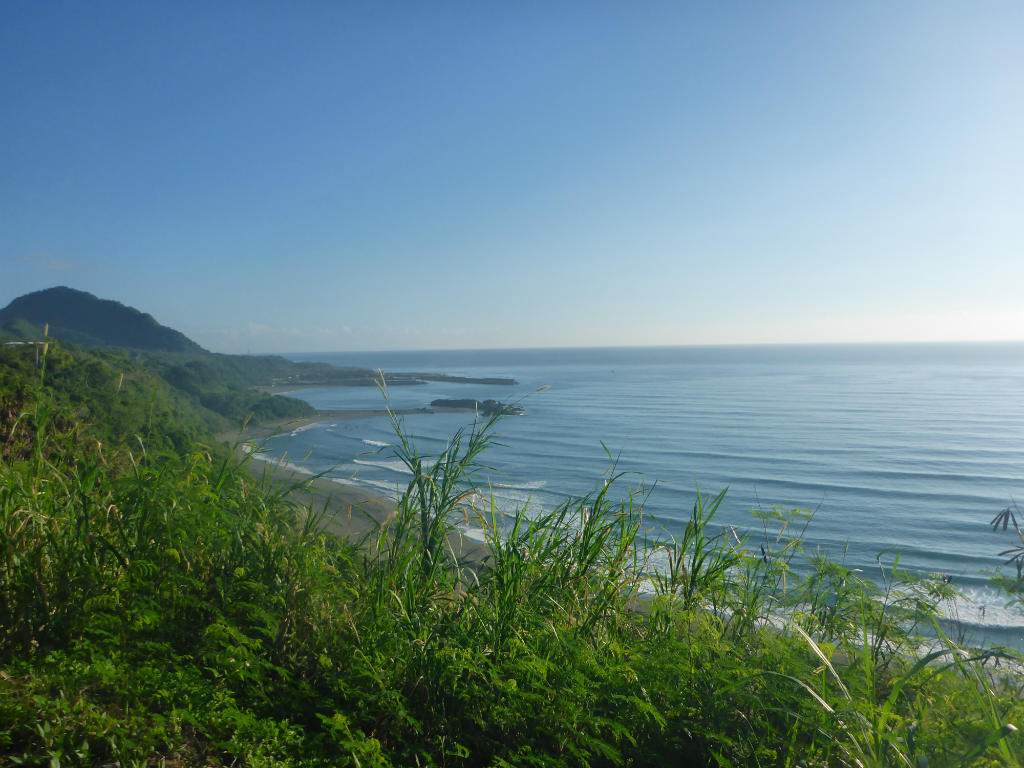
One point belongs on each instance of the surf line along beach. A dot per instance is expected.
(352, 512)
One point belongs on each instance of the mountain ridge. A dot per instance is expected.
(83, 318)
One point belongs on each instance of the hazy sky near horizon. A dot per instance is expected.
(333, 176)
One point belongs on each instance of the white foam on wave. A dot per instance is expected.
(985, 607)
(528, 485)
(348, 469)
(509, 503)
(304, 427)
(509, 497)
(378, 443)
(286, 464)
(977, 609)
(391, 489)
(258, 454)
(391, 465)
(474, 532)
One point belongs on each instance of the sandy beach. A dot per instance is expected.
(353, 512)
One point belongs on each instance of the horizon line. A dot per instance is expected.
(932, 342)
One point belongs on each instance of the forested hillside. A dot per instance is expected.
(118, 396)
(81, 318)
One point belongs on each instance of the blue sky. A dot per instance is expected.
(331, 176)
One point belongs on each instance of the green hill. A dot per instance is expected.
(107, 339)
(81, 318)
(225, 389)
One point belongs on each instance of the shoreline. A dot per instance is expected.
(254, 432)
(353, 512)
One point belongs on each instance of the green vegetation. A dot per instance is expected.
(198, 371)
(19, 329)
(160, 606)
(119, 397)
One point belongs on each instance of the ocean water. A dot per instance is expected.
(908, 448)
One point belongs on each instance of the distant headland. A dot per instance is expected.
(228, 390)
(79, 317)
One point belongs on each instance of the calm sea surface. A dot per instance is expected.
(911, 446)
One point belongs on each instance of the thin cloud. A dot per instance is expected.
(51, 263)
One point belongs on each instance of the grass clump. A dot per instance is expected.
(159, 605)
